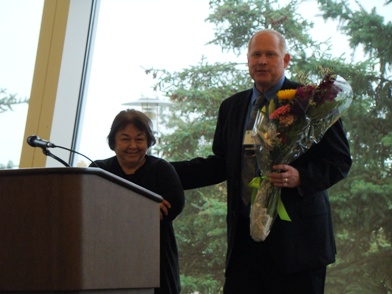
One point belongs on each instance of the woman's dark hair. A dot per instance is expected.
(137, 118)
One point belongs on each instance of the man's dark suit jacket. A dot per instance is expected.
(307, 241)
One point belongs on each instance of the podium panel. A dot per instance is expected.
(77, 230)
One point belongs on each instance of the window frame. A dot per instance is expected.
(60, 74)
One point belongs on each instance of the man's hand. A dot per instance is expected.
(287, 177)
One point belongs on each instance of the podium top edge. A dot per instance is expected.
(86, 171)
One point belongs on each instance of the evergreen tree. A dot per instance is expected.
(7, 100)
(362, 204)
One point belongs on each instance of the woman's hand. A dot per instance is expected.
(164, 208)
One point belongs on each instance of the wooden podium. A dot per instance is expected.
(77, 230)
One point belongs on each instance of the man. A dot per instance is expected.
(294, 256)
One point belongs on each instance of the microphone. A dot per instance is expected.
(36, 141)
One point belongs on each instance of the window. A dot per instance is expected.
(19, 31)
(131, 37)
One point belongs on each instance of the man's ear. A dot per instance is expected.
(286, 59)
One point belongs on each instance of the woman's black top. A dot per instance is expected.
(158, 176)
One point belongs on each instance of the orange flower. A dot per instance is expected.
(286, 120)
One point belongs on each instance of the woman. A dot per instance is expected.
(130, 138)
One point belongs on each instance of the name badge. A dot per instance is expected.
(248, 138)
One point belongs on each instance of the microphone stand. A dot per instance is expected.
(36, 141)
(48, 153)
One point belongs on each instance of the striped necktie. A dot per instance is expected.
(249, 165)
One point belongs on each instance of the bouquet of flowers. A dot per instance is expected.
(294, 121)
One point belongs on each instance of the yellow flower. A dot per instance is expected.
(286, 94)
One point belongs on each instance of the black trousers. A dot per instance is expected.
(251, 270)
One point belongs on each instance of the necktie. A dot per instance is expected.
(249, 157)
(258, 104)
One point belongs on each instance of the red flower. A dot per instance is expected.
(280, 111)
